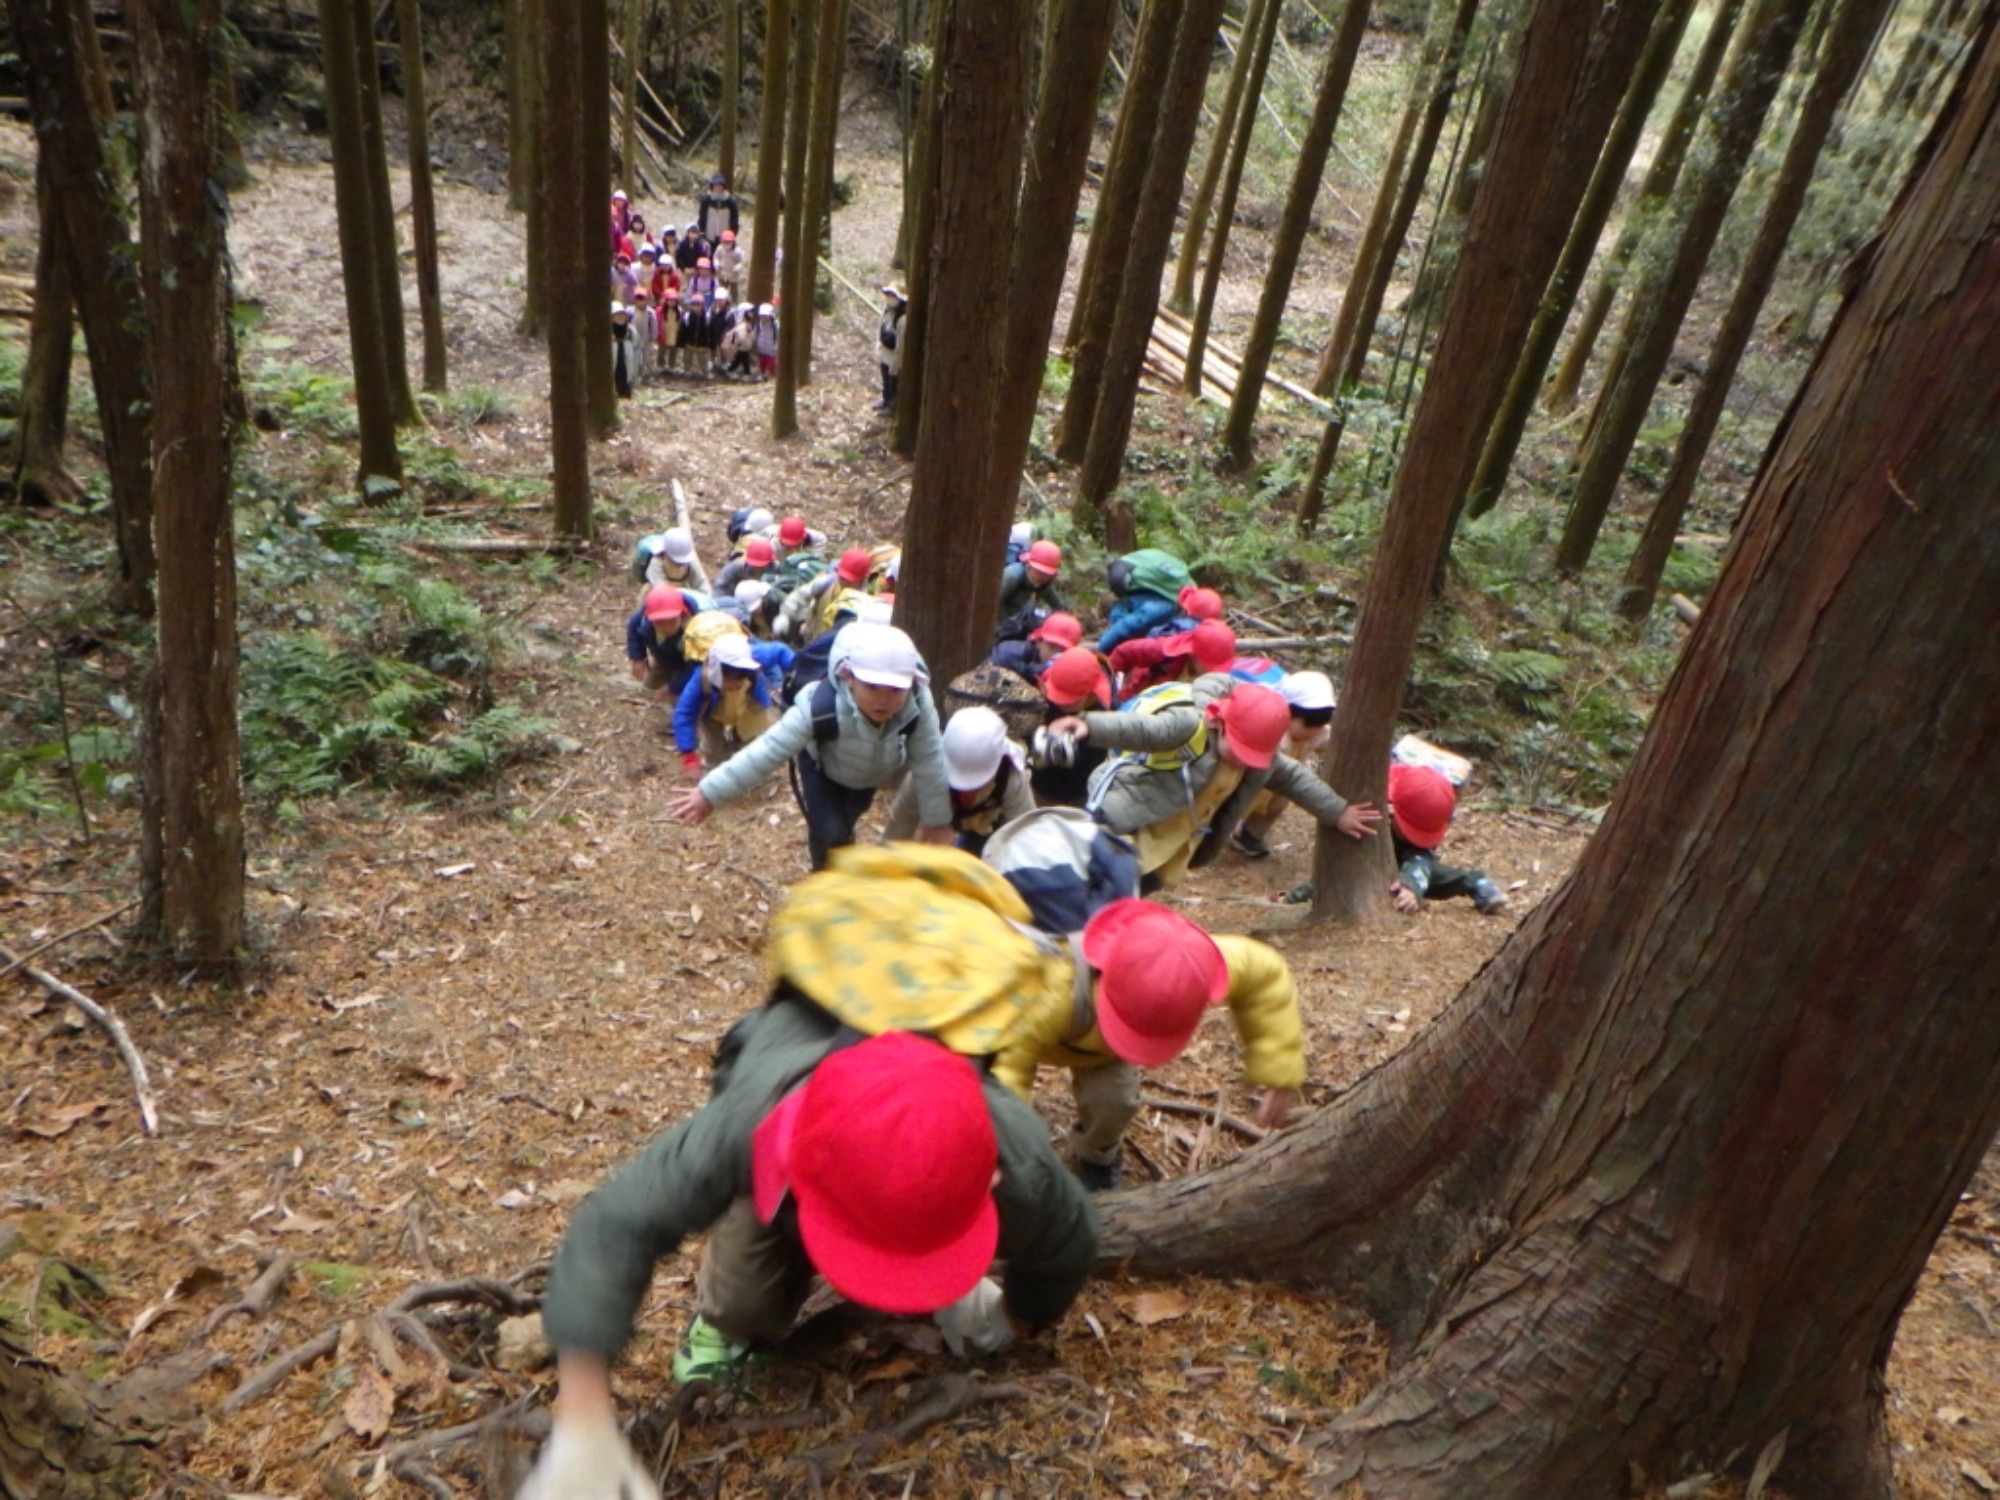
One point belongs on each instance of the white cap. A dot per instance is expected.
(1307, 690)
(881, 655)
(975, 742)
(874, 611)
(759, 519)
(1021, 533)
(619, 307)
(678, 545)
(751, 592)
(732, 650)
(765, 310)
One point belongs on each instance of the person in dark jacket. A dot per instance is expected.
(653, 638)
(893, 1168)
(1028, 593)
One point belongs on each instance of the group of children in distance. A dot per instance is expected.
(675, 297)
(872, 1122)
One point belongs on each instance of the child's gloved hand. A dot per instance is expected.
(588, 1459)
(691, 764)
(976, 1323)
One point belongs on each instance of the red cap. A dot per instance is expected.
(1255, 719)
(1156, 973)
(1213, 644)
(758, 553)
(1063, 629)
(854, 565)
(1073, 677)
(1200, 603)
(664, 602)
(1046, 556)
(1421, 802)
(888, 1150)
(792, 531)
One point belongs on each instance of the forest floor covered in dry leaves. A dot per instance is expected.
(464, 1011)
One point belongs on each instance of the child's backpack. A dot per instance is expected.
(910, 938)
(841, 599)
(1065, 865)
(799, 568)
(648, 548)
(703, 630)
(1151, 571)
(1018, 701)
(1159, 699)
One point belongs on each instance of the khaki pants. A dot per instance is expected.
(752, 1280)
(716, 742)
(1107, 1097)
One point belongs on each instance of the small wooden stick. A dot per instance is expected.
(1202, 1112)
(471, 1289)
(257, 1297)
(444, 1437)
(149, 1108)
(262, 1381)
(406, 1326)
(949, 1395)
(63, 937)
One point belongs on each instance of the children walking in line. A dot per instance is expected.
(730, 701)
(1422, 801)
(869, 720)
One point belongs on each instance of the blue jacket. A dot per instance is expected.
(1136, 615)
(698, 697)
(640, 642)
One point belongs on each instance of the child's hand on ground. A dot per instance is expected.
(691, 764)
(1359, 821)
(688, 806)
(942, 833)
(1403, 898)
(1276, 1107)
(638, 669)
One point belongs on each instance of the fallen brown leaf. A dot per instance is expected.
(370, 1403)
(62, 1119)
(1149, 1308)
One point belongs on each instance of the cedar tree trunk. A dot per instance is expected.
(628, 105)
(58, 52)
(1259, 49)
(1073, 67)
(1661, 299)
(825, 126)
(770, 149)
(956, 527)
(1660, 179)
(922, 194)
(1289, 240)
(37, 471)
(1566, 90)
(1137, 295)
(1497, 460)
(1181, 298)
(533, 108)
(1107, 256)
(593, 103)
(423, 205)
(575, 232)
(1656, 1188)
(374, 406)
(183, 257)
(1846, 48)
(794, 279)
(732, 87)
(382, 220)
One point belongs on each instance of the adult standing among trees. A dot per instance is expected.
(1528, 1196)
(889, 344)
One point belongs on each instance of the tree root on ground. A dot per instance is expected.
(949, 1395)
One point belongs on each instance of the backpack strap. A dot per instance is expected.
(826, 714)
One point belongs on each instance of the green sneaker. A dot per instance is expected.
(708, 1354)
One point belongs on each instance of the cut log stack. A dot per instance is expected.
(1221, 369)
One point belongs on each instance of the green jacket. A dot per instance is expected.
(685, 1179)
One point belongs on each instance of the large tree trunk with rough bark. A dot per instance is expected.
(58, 50)
(1655, 1189)
(824, 119)
(920, 210)
(531, 111)
(197, 891)
(1576, 61)
(423, 203)
(795, 280)
(957, 526)
(770, 149)
(732, 87)
(1105, 258)
(1662, 298)
(593, 106)
(1073, 66)
(1288, 241)
(382, 219)
(36, 471)
(576, 233)
(1221, 142)
(1853, 29)
(367, 337)
(1137, 298)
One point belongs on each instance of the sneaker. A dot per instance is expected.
(1246, 843)
(1488, 898)
(708, 1354)
(1299, 895)
(1101, 1176)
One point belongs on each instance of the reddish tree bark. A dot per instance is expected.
(1570, 78)
(1656, 1188)
(58, 50)
(37, 471)
(383, 249)
(956, 529)
(593, 115)
(575, 233)
(423, 203)
(197, 889)
(770, 149)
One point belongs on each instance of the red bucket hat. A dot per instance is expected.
(792, 530)
(889, 1152)
(664, 602)
(1046, 556)
(1065, 630)
(1213, 645)
(1421, 802)
(1156, 973)
(757, 552)
(1254, 719)
(1073, 678)
(854, 565)
(1201, 604)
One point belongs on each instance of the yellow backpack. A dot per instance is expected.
(910, 937)
(1158, 700)
(704, 630)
